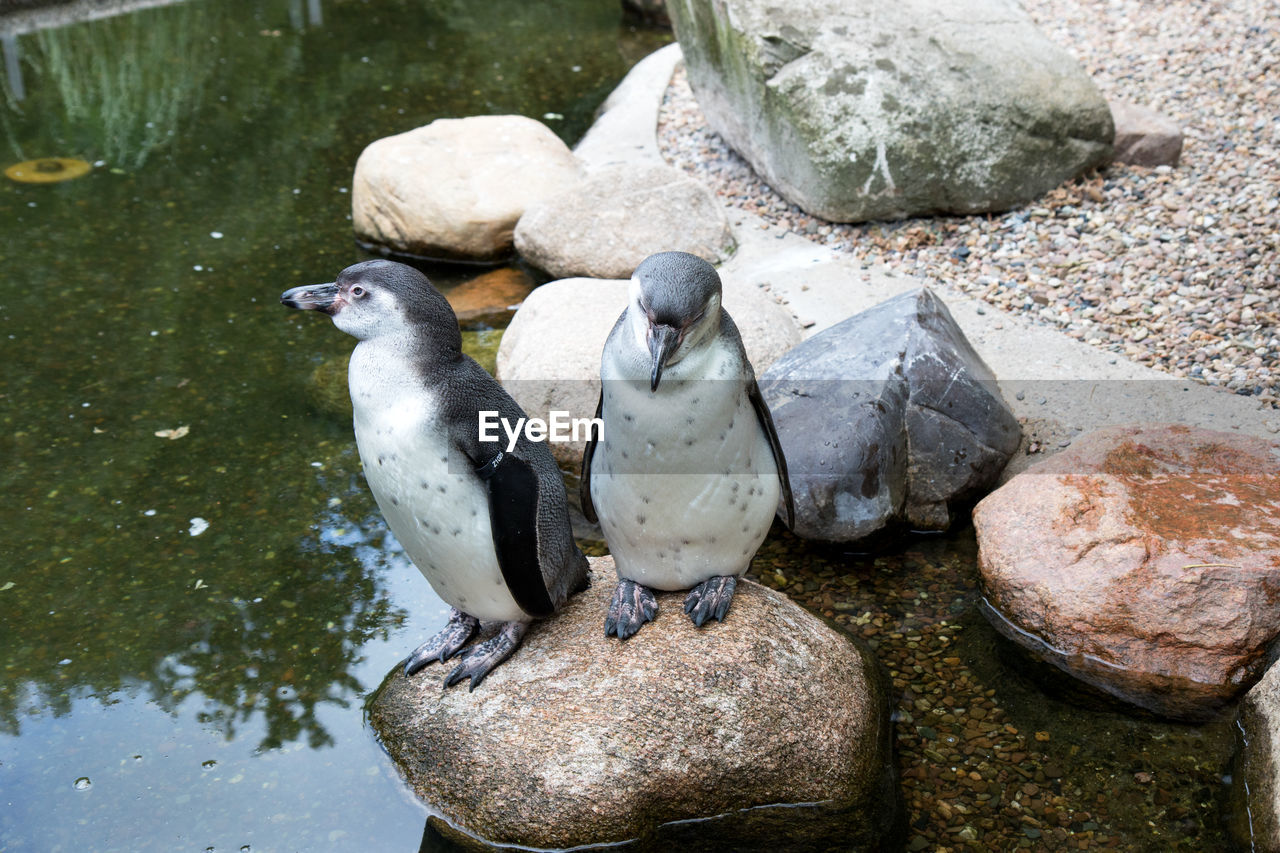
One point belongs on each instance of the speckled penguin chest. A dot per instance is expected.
(684, 482)
(432, 501)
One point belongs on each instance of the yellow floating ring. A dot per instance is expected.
(48, 170)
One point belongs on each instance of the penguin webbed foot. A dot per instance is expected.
(481, 659)
(710, 599)
(632, 605)
(444, 645)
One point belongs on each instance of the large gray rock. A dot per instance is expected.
(1255, 782)
(606, 225)
(1144, 560)
(887, 416)
(549, 358)
(455, 188)
(859, 111)
(578, 739)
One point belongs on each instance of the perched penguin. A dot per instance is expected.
(489, 529)
(686, 478)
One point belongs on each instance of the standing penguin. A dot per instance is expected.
(489, 529)
(686, 479)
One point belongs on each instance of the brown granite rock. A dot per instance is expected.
(771, 725)
(490, 298)
(1144, 560)
(1145, 137)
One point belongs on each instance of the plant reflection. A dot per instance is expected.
(281, 654)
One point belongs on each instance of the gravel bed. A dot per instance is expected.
(990, 758)
(1176, 268)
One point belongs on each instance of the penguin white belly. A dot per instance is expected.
(432, 501)
(685, 490)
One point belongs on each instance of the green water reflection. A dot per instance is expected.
(190, 620)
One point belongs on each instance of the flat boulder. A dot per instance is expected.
(454, 189)
(861, 111)
(619, 215)
(549, 358)
(889, 416)
(1144, 560)
(768, 725)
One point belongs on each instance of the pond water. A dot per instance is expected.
(190, 621)
(197, 592)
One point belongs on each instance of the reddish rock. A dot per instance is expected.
(1145, 137)
(768, 727)
(1144, 560)
(491, 298)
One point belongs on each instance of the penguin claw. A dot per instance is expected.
(632, 605)
(481, 659)
(710, 599)
(445, 644)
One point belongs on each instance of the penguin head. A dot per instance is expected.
(674, 308)
(381, 298)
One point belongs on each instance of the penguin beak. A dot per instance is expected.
(663, 341)
(312, 297)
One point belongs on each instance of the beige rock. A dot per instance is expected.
(1145, 137)
(455, 188)
(1144, 560)
(606, 225)
(550, 354)
(578, 739)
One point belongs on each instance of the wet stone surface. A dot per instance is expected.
(990, 759)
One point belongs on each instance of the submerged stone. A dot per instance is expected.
(1144, 561)
(491, 298)
(48, 170)
(768, 726)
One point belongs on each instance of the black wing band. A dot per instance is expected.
(584, 482)
(513, 516)
(766, 420)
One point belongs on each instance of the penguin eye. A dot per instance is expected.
(358, 292)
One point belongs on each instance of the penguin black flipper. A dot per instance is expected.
(584, 482)
(766, 422)
(513, 516)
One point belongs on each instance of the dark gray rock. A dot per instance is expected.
(767, 728)
(859, 111)
(888, 416)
